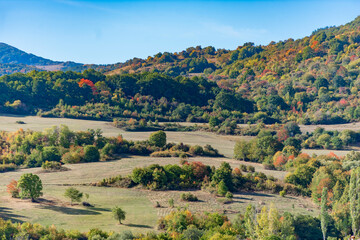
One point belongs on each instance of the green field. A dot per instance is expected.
(139, 204)
(225, 144)
(54, 208)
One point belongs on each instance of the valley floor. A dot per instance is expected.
(54, 208)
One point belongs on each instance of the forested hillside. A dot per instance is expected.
(312, 80)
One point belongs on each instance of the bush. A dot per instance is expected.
(52, 166)
(166, 154)
(229, 195)
(222, 189)
(171, 202)
(188, 197)
(91, 154)
(158, 139)
(108, 149)
(269, 166)
(13, 189)
(196, 150)
(243, 168)
(250, 169)
(74, 156)
(282, 193)
(7, 167)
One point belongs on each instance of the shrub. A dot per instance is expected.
(52, 166)
(229, 195)
(222, 189)
(243, 168)
(171, 202)
(250, 169)
(282, 193)
(269, 166)
(7, 167)
(13, 189)
(158, 139)
(196, 150)
(188, 197)
(75, 155)
(108, 149)
(91, 154)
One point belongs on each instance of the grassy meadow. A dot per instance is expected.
(139, 204)
(54, 208)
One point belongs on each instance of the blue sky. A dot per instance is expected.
(114, 31)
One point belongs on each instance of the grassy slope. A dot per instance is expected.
(142, 216)
(225, 144)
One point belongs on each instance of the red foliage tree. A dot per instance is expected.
(88, 83)
(12, 189)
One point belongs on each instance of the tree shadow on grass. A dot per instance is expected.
(6, 214)
(137, 225)
(256, 194)
(99, 209)
(70, 211)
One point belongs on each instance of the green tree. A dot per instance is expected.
(250, 222)
(91, 154)
(324, 140)
(30, 186)
(354, 197)
(222, 189)
(74, 194)
(158, 138)
(242, 150)
(213, 121)
(118, 214)
(224, 173)
(324, 215)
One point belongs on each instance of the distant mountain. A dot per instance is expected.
(14, 60)
(12, 55)
(274, 62)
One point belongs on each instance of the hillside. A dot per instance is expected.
(15, 60)
(12, 55)
(313, 80)
(271, 62)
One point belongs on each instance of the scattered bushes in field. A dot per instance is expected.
(61, 145)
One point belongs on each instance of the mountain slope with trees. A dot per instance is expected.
(313, 80)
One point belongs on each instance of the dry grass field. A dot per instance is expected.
(224, 144)
(54, 208)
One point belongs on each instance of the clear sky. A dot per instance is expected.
(114, 31)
